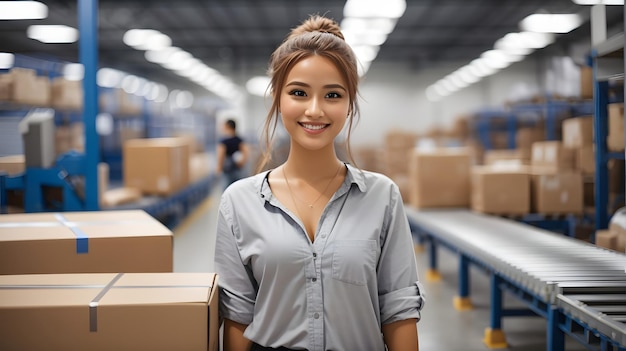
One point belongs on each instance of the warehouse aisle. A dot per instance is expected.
(442, 328)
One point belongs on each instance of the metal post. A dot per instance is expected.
(556, 337)
(88, 52)
(464, 278)
(496, 303)
(600, 94)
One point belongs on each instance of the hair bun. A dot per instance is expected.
(317, 24)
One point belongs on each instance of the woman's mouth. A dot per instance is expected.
(313, 127)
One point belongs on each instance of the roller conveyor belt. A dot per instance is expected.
(587, 282)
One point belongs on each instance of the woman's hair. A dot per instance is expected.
(319, 36)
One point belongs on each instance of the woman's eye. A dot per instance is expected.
(333, 95)
(297, 93)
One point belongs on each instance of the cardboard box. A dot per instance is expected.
(109, 311)
(552, 154)
(66, 94)
(157, 166)
(440, 178)
(608, 240)
(586, 82)
(119, 196)
(525, 137)
(507, 156)
(586, 160)
(501, 190)
(578, 132)
(556, 193)
(615, 137)
(199, 166)
(84, 242)
(12, 165)
(28, 88)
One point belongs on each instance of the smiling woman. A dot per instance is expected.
(315, 254)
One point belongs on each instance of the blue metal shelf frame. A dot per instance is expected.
(558, 324)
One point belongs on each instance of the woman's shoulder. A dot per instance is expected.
(372, 179)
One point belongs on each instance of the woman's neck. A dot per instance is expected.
(312, 165)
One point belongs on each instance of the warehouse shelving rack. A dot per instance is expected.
(170, 210)
(607, 60)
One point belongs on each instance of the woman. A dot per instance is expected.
(315, 254)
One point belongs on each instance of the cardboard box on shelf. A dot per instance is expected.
(440, 178)
(585, 161)
(501, 189)
(13, 164)
(578, 132)
(119, 196)
(199, 166)
(556, 193)
(109, 311)
(66, 94)
(608, 240)
(552, 154)
(84, 242)
(615, 137)
(508, 156)
(30, 89)
(586, 82)
(156, 166)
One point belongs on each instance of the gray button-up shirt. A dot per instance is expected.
(330, 294)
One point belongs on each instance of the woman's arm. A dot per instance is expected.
(233, 337)
(401, 335)
(221, 155)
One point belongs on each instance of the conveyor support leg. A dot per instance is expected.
(463, 301)
(556, 337)
(494, 336)
(433, 274)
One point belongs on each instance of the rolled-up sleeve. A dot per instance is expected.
(236, 288)
(399, 292)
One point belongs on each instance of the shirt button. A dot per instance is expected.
(314, 255)
(313, 279)
(316, 315)
(323, 236)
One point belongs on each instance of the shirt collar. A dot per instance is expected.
(354, 176)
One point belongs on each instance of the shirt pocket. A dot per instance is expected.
(354, 260)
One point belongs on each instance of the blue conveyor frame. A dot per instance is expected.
(539, 295)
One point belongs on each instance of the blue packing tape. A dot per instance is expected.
(82, 241)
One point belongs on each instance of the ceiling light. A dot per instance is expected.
(363, 67)
(56, 33)
(74, 71)
(374, 8)
(599, 2)
(130, 84)
(369, 25)
(536, 40)
(483, 68)
(177, 60)
(365, 38)
(22, 10)
(6, 60)
(551, 23)
(365, 53)
(109, 78)
(146, 39)
(258, 85)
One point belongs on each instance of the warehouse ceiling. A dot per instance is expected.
(241, 34)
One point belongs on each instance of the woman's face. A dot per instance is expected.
(314, 103)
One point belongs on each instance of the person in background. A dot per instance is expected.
(315, 254)
(232, 154)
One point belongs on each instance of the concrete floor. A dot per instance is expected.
(442, 327)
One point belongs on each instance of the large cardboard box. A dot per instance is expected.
(615, 138)
(440, 178)
(557, 193)
(501, 190)
(609, 240)
(578, 132)
(12, 165)
(586, 82)
(552, 154)
(109, 311)
(157, 166)
(84, 242)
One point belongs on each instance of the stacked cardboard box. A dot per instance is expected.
(614, 237)
(12, 165)
(615, 138)
(109, 311)
(501, 189)
(440, 178)
(23, 86)
(506, 156)
(156, 166)
(370, 158)
(398, 146)
(586, 82)
(84, 242)
(66, 94)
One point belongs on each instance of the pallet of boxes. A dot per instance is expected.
(103, 280)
